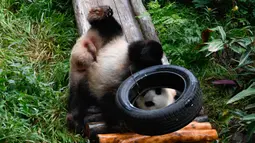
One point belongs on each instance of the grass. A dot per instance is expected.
(35, 42)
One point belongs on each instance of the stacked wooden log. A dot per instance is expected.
(199, 130)
(193, 132)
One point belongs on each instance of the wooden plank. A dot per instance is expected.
(146, 25)
(124, 12)
(112, 5)
(130, 25)
(81, 9)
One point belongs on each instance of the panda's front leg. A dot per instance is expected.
(111, 115)
(78, 102)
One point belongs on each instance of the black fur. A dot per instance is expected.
(145, 53)
(111, 114)
(108, 28)
(79, 101)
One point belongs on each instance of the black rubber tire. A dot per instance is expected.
(164, 120)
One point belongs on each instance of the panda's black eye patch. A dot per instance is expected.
(149, 103)
(158, 91)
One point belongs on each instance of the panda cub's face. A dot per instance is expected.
(156, 98)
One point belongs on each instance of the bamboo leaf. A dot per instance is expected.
(250, 117)
(244, 56)
(215, 45)
(251, 130)
(237, 49)
(222, 32)
(250, 106)
(204, 48)
(242, 94)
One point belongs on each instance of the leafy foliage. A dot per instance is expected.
(178, 31)
(240, 8)
(235, 48)
(230, 47)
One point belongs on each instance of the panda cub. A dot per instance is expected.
(100, 60)
(156, 98)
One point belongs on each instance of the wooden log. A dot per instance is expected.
(127, 19)
(94, 128)
(81, 9)
(144, 20)
(198, 126)
(203, 118)
(178, 136)
(182, 136)
(115, 138)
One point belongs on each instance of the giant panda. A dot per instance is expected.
(156, 98)
(100, 60)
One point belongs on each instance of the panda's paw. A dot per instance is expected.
(91, 48)
(74, 124)
(99, 13)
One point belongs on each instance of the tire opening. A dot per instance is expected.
(155, 80)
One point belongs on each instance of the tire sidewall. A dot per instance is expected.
(135, 116)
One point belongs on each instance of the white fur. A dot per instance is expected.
(164, 99)
(112, 64)
(80, 54)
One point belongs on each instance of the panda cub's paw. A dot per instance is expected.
(99, 13)
(83, 54)
(91, 48)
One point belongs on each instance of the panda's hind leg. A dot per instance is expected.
(99, 13)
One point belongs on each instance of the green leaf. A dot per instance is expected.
(237, 49)
(215, 45)
(246, 65)
(244, 56)
(250, 106)
(242, 94)
(204, 48)
(251, 130)
(250, 117)
(222, 32)
(248, 40)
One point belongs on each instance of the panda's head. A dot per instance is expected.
(156, 98)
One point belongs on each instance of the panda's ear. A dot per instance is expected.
(158, 91)
(152, 51)
(145, 54)
(134, 50)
